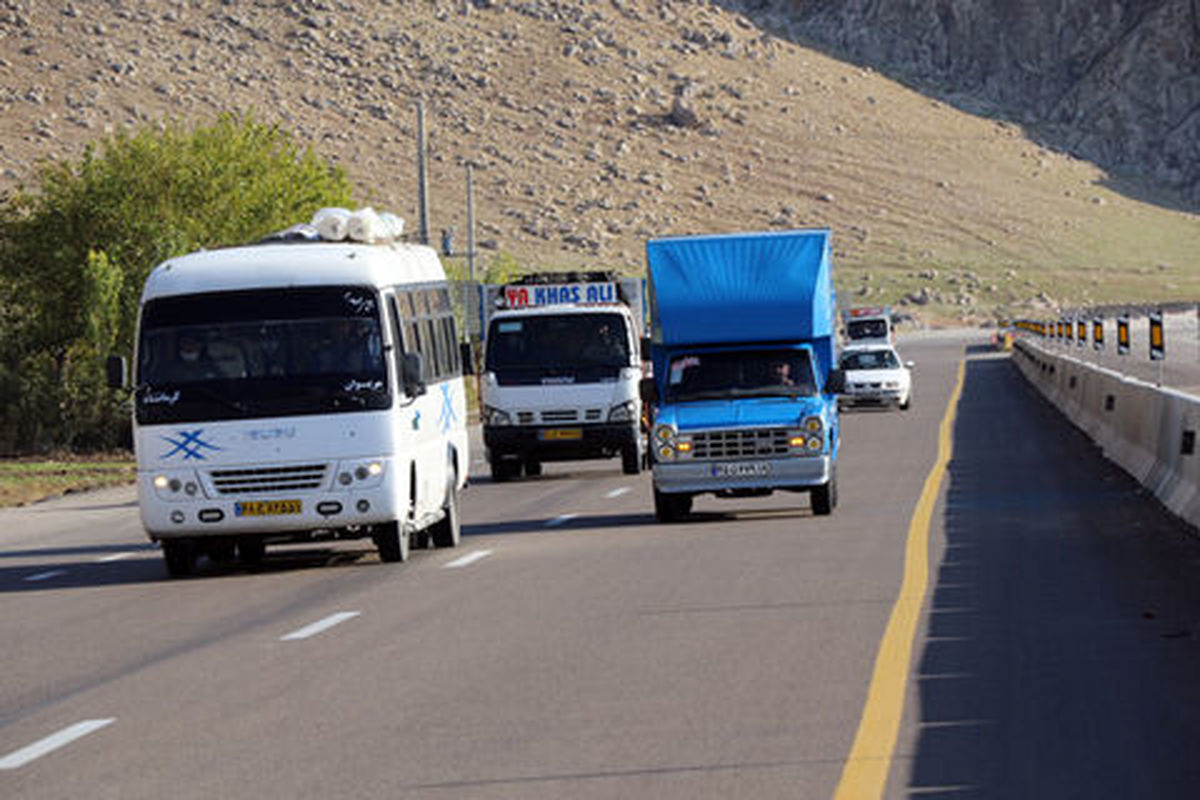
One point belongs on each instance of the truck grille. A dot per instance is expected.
(564, 415)
(752, 443)
(269, 479)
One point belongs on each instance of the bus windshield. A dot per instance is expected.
(260, 353)
(740, 373)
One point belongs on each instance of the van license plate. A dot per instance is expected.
(266, 508)
(742, 469)
(560, 434)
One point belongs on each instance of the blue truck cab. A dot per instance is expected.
(744, 389)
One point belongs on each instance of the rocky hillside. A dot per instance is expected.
(1117, 82)
(594, 125)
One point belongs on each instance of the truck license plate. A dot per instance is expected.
(742, 469)
(559, 434)
(266, 508)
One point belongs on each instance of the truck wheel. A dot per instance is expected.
(447, 532)
(533, 468)
(824, 497)
(251, 549)
(631, 460)
(220, 550)
(180, 556)
(671, 507)
(392, 540)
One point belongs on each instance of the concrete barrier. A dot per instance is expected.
(1148, 431)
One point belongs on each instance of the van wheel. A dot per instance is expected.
(251, 549)
(631, 460)
(824, 497)
(392, 540)
(180, 556)
(447, 532)
(671, 507)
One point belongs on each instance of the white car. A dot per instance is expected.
(874, 374)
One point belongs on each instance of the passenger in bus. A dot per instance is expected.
(192, 361)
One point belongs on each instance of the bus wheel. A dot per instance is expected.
(631, 459)
(447, 532)
(533, 468)
(392, 540)
(251, 549)
(180, 555)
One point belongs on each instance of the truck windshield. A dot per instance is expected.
(231, 355)
(740, 373)
(867, 329)
(558, 341)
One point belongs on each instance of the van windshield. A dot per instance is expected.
(230, 355)
(740, 373)
(558, 342)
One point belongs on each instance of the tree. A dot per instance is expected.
(75, 251)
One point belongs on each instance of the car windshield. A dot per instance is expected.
(867, 329)
(740, 373)
(568, 341)
(870, 359)
(260, 353)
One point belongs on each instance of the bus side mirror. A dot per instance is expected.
(648, 391)
(410, 374)
(837, 382)
(467, 354)
(114, 372)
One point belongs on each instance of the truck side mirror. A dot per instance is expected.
(467, 354)
(648, 391)
(114, 372)
(837, 382)
(410, 375)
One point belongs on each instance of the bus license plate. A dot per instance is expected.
(266, 508)
(742, 469)
(560, 434)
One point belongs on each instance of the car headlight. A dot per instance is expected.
(623, 412)
(496, 416)
(892, 384)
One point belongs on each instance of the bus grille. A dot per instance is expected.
(753, 443)
(269, 479)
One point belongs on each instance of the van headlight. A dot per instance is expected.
(496, 416)
(623, 412)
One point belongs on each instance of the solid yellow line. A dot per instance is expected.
(866, 769)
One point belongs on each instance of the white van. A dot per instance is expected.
(297, 390)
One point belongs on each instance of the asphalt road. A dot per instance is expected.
(572, 648)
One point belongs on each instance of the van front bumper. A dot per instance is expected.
(696, 477)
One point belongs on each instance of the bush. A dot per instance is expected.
(75, 251)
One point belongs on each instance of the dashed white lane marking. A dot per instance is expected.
(20, 758)
(560, 519)
(45, 576)
(617, 492)
(115, 557)
(469, 558)
(319, 625)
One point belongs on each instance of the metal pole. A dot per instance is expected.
(471, 222)
(422, 174)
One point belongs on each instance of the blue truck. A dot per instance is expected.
(745, 382)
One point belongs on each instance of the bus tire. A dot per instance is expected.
(392, 540)
(447, 532)
(180, 557)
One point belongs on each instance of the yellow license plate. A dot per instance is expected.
(558, 434)
(266, 508)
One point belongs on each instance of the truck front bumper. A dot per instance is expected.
(695, 477)
(560, 442)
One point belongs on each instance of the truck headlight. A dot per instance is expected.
(623, 412)
(813, 424)
(496, 416)
(664, 443)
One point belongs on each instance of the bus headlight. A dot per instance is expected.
(624, 412)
